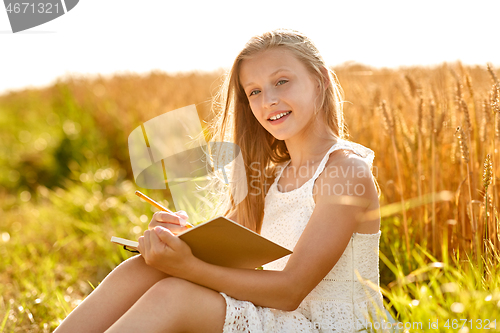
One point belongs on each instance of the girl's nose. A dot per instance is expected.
(270, 99)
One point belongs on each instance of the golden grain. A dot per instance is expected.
(485, 120)
(387, 121)
(465, 110)
(488, 171)
(462, 140)
(492, 74)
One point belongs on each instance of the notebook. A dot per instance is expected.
(223, 242)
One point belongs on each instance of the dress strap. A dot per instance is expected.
(367, 154)
(281, 171)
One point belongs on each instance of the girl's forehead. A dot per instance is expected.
(266, 63)
(270, 57)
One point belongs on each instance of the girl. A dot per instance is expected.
(311, 191)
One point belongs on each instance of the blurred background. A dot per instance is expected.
(72, 90)
(106, 38)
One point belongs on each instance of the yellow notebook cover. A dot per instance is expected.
(223, 242)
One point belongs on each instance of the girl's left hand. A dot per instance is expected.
(166, 252)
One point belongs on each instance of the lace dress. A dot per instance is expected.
(341, 302)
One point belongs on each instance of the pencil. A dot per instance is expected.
(158, 205)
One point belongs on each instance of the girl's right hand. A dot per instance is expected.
(175, 222)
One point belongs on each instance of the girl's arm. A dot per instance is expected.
(319, 248)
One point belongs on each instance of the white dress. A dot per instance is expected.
(340, 302)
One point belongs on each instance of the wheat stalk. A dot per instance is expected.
(488, 172)
(440, 124)
(387, 121)
(495, 107)
(389, 124)
(493, 75)
(465, 110)
(407, 135)
(414, 87)
(464, 149)
(485, 120)
(468, 82)
(495, 98)
(433, 171)
(469, 137)
(487, 176)
(420, 111)
(462, 140)
(459, 84)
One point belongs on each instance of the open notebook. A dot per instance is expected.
(223, 242)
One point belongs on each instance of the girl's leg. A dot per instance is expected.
(174, 305)
(113, 297)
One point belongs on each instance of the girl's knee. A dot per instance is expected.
(132, 264)
(137, 269)
(171, 287)
(136, 260)
(178, 297)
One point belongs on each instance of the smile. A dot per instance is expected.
(279, 116)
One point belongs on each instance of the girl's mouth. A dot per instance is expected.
(281, 119)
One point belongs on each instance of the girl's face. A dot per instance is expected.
(278, 85)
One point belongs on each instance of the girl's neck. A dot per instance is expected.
(307, 153)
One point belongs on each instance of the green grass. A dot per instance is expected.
(57, 250)
(453, 292)
(56, 247)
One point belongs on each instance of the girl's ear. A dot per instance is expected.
(325, 77)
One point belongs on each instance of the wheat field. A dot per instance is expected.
(66, 186)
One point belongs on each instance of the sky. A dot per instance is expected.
(114, 36)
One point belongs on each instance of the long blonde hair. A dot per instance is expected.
(234, 122)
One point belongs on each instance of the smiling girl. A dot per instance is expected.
(314, 193)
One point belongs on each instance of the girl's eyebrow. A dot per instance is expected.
(272, 74)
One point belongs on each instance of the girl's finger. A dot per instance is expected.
(182, 222)
(182, 214)
(141, 245)
(155, 242)
(175, 228)
(167, 217)
(165, 236)
(147, 241)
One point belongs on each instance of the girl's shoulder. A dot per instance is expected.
(349, 163)
(348, 152)
(342, 156)
(346, 157)
(348, 173)
(345, 164)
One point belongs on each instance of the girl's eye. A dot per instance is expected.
(256, 91)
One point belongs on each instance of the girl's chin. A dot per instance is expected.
(282, 133)
(281, 137)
